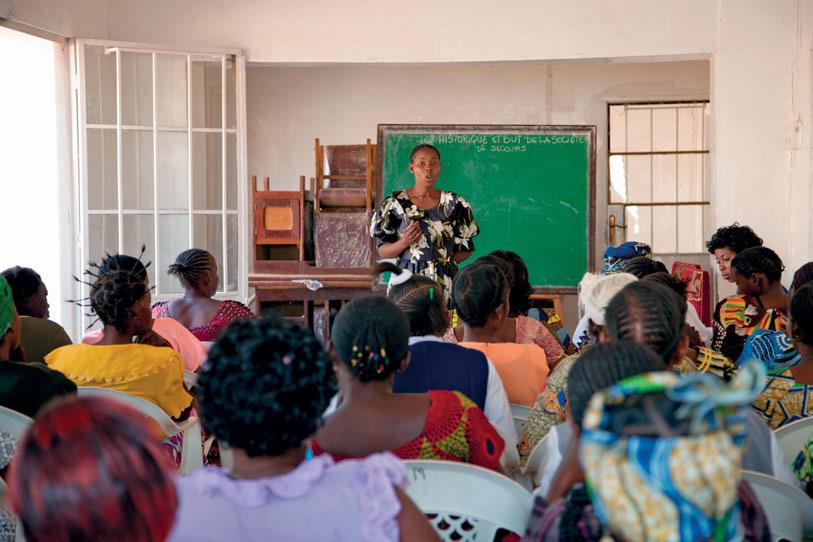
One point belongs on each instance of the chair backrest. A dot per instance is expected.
(169, 427)
(14, 423)
(520, 413)
(465, 502)
(509, 460)
(539, 457)
(789, 510)
(793, 437)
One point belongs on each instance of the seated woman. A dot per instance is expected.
(121, 300)
(760, 304)
(205, 317)
(481, 297)
(550, 408)
(164, 331)
(369, 344)
(729, 241)
(90, 469)
(262, 393)
(40, 336)
(517, 328)
(435, 364)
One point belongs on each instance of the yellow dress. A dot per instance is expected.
(149, 372)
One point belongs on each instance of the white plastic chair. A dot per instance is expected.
(793, 437)
(789, 510)
(468, 502)
(509, 460)
(14, 423)
(520, 413)
(536, 466)
(192, 451)
(18, 532)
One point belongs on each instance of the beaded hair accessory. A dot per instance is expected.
(362, 355)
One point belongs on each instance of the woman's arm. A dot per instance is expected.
(411, 235)
(412, 523)
(461, 256)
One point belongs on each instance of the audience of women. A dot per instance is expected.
(435, 364)
(369, 345)
(262, 393)
(120, 298)
(204, 316)
(91, 469)
(39, 335)
(481, 298)
(23, 387)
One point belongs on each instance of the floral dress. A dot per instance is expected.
(447, 229)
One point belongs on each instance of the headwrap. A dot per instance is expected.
(615, 258)
(6, 307)
(662, 453)
(773, 349)
(596, 291)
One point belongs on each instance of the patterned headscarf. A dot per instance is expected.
(615, 258)
(661, 454)
(773, 349)
(6, 307)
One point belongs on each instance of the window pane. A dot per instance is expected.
(173, 239)
(231, 93)
(173, 170)
(664, 228)
(139, 231)
(232, 182)
(103, 237)
(664, 129)
(208, 235)
(690, 177)
(136, 170)
(172, 90)
(100, 86)
(639, 179)
(664, 178)
(136, 89)
(207, 93)
(101, 164)
(690, 228)
(639, 224)
(207, 160)
(618, 128)
(618, 179)
(639, 130)
(232, 242)
(690, 121)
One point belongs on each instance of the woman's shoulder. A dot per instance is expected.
(234, 309)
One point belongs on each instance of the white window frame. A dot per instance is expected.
(80, 171)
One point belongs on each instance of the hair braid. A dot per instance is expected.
(421, 299)
(801, 312)
(802, 276)
(759, 260)
(477, 291)
(189, 267)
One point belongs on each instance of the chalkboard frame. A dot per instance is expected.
(586, 130)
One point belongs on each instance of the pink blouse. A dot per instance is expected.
(225, 315)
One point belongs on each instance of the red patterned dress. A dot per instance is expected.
(228, 311)
(455, 430)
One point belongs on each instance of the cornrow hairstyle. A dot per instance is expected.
(643, 266)
(802, 276)
(669, 280)
(801, 312)
(477, 291)
(650, 314)
(189, 267)
(371, 337)
(264, 386)
(759, 260)
(506, 268)
(423, 147)
(735, 238)
(519, 298)
(91, 469)
(124, 262)
(421, 299)
(602, 366)
(24, 282)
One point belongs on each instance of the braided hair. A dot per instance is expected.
(643, 266)
(669, 280)
(801, 313)
(519, 299)
(602, 366)
(650, 314)
(371, 337)
(190, 266)
(477, 291)
(802, 276)
(264, 386)
(735, 238)
(759, 260)
(422, 301)
(24, 283)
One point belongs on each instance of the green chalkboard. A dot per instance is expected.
(531, 188)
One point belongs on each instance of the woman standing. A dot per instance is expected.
(427, 230)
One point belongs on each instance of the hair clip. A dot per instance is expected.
(431, 293)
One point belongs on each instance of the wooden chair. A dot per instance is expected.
(465, 502)
(789, 510)
(192, 452)
(279, 222)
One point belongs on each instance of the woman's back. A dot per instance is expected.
(523, 368)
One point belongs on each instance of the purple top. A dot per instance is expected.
(319, 500)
